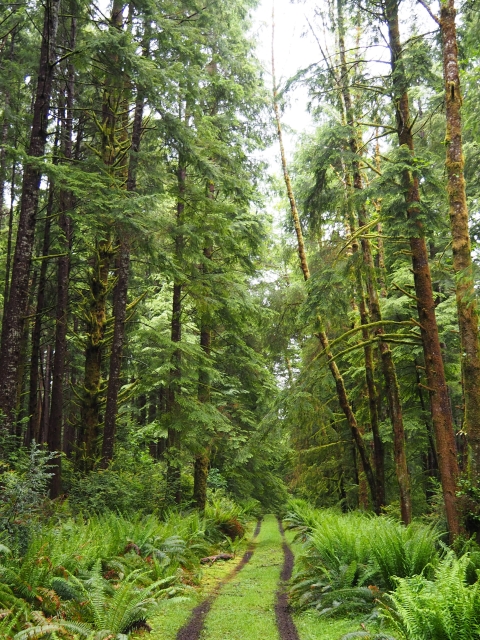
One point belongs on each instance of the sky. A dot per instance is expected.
(295, 48)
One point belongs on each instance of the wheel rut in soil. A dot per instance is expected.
(193, 629)
(285, 624)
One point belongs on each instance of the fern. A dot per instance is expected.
(447, 608)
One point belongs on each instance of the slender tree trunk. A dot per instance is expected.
(467, 305)
(18, 296)
(388, 366)
(202, 459)
(173, 493)
(120, 302)
(8, 260)
(173, 440)
(33, 403)
(322, 336)
(435, 374)
(378, 449)
(63, 274)
(46, 395)
(3, 159)
(4, 136)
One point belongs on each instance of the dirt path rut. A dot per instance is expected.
(285, 624)
(194, 627)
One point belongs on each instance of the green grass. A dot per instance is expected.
(245, 606)
(311, 627)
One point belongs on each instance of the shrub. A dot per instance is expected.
(225, 516)
(400, 551)
(446, 608)
(349, 560)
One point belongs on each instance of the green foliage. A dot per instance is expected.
(348, 560)
(445, 608)
(24, 489)
(401, 551)
(108, 573)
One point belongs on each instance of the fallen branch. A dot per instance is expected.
(220, 556)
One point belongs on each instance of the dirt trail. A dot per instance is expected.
(193, 629)
(252, 615)
(285, 624)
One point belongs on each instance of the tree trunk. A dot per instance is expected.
(388, 366)
(4, 136)
(46, 395)
(339, 382)
(63, 274)
(8, 259)
(18, 295)
(202, 459)
(3, 159)
(120, 303)
(435, 374)
(467, 305)
(120, 314)
(200, 475)
(90, 410)
(33, 404)
(173, 492)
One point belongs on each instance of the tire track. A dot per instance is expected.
(285, 624)
(193, 629)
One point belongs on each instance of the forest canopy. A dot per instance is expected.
(164, 335)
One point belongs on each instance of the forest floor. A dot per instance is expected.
(245, 599)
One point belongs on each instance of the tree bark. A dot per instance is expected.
(63, 273)
(33, 404)
(434, 369)
(18, 295)
(467, 306)
(120, 302)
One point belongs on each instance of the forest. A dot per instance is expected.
(239, 398)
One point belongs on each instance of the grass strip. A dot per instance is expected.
(245, 608)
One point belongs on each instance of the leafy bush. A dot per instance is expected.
(23, 493)
(225, 516)
(401, 551)
(302, 517)
(130, 489)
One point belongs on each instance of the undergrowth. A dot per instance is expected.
(105, 575)
(350, 560)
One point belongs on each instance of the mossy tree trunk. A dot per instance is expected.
(120, 300)
(439, 398)
(93, 387)
(467, 306)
